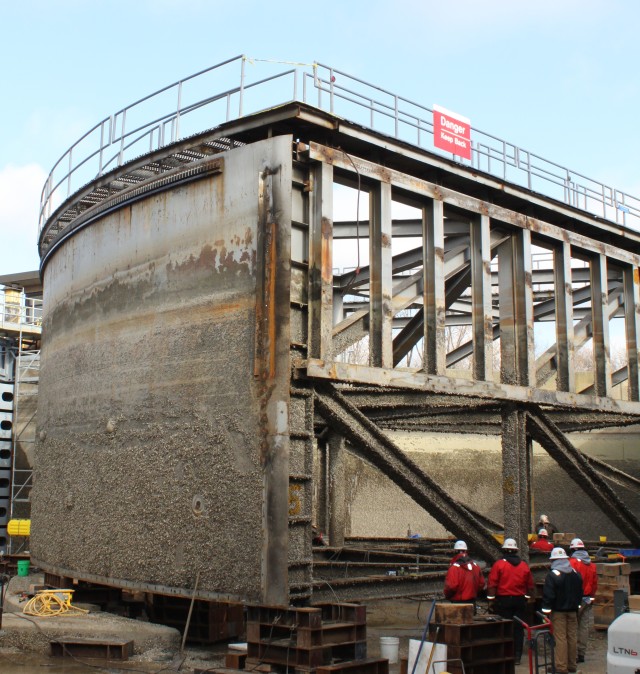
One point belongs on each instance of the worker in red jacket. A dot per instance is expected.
(509, 586)
(464, 578)
(459, 550)
(543, 544)
(581, 562)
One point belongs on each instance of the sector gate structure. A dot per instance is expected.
(205, 366)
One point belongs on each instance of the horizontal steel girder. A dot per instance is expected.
(385, 455)
(378, 587)
(582, 472)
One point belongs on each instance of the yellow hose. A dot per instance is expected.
(49, 603)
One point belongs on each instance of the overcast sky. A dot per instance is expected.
(558, 78)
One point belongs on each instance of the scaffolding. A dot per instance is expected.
(27, 370)
(20, 329)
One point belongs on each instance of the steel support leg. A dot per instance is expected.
(516, 476)
(337, 490)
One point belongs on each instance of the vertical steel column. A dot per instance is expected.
(482, 311)
(631, 283)
(380, 288)
(321, 484)
(600, 326)
(516, 476)
(321, 264)
(435, 352)
(516, 310)
(272, 370)
(337, 489)
(565, 355)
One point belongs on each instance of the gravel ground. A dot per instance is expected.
(24, 641)
(405, 619)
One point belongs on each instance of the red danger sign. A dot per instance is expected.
(451, 132)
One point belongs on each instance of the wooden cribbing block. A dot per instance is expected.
(366, 666)
(454, 614)
(256, 665)
(106, 649)
(235, 659)
(614, 569)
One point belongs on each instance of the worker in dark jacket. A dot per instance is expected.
(509, 586)
(561, 598)
(581, 562)
(464, 578)
(545, 523)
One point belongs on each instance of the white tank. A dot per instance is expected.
(623, 652)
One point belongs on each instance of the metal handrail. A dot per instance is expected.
(119, 138)
(17, 310)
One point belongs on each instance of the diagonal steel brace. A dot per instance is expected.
(581, 471)
(385, 455)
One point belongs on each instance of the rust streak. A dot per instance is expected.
(271, 294)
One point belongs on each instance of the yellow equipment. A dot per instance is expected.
(19, 528)
(49, 603)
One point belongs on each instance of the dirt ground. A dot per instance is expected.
(405, 619)
(24, 640)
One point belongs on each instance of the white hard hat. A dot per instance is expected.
(576, 543)
(558, 553)
(460, 545)
(543, 532)
(509, 544)
(544, 518)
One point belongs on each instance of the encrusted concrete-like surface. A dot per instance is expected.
(470, 468)
(149, 463)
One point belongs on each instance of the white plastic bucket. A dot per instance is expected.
(389, 648)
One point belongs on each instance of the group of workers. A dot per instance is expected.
(568, 594)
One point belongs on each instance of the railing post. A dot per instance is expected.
(504, 160)
(69, 174)
(176, 135)
(121, 153)
(101, 148)
(48, 203)
(241, 102)
(331, 79)
(395, 106)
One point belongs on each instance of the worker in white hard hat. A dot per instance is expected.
(561, 598)
(509, 586)
(581, 562)
(545, 523)
(542, 543)
(464, 578)
(460, 550)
